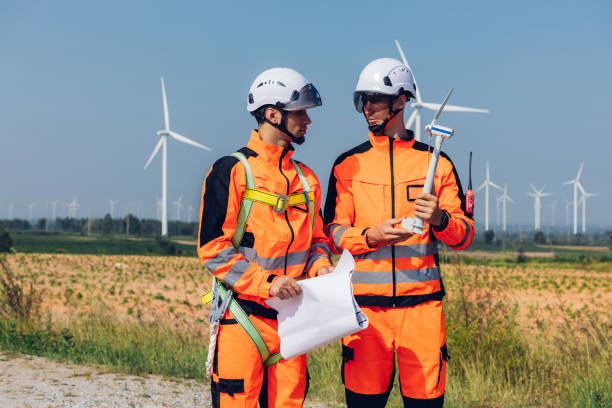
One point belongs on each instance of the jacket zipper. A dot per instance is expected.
(280, 168)
(392, 216)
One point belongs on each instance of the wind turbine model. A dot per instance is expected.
(504, 198)
(486, 184)
(582, 202)
(112, 204)
(418, 104)
(576, 184)
(179, 206)
(537, 194)
(163, 141)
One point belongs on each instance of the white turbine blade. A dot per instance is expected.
(492, 184)
(569, 182)
(166, 116)
(545, 194)
(581, 188)
(159, 144)
(183, 139)
(483, 185)
(579, 171)
(453, 108)
(418, 92)
(531, 195)
(411, 119)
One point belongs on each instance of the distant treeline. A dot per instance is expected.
(129, 225)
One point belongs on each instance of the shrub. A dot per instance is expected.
(489, 235)
(17, 303)
(5, 240)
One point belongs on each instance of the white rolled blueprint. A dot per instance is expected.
(325, 311)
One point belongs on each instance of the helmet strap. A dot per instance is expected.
(283, 127)
(379, 129)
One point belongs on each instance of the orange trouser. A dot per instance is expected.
(239, 378)
(416, 333)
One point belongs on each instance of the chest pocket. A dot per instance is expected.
(370, 202)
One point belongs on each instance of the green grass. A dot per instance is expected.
(494, 361)
(40, 242)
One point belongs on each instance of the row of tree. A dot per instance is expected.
(129, 225)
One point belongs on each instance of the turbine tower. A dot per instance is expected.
(537, 194)
(54, 209)
(576, 184)
(10, 213)
(112, 204)
(418, 104)
(486, 184)
(582, 202)
(179, 206)
(553, 209)
(504, 198)
(73, 206)
(190, 212)
(30, 207)
(163, 142)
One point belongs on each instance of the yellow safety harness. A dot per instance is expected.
(280, 203)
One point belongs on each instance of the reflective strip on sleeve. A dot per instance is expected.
(314, 256)
(337, 234)
(221, 259)
(402, 276)
(465, 237)
(293, 258)
(236, 272)
(322, 246)
(401, 251)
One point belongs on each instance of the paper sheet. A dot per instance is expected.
(325, 311)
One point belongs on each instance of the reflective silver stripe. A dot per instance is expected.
(331, 227)
(402, 276)
(236, 272)
(312, 258)
(401, 251)
(221, 259)
(465, 237)
(337, 234)
(293, 258)
(322, 246)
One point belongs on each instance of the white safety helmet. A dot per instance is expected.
(386, 76)
(283, 88)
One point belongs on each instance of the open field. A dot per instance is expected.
(520, 334)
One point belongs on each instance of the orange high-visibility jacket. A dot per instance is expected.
(381, 179)
(273, 244)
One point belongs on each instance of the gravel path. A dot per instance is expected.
(33, 382)
(27, 381)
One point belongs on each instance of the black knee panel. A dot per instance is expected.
(424, 403)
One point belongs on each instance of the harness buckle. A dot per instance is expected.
(281, 203)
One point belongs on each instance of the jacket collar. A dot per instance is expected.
(382, 142)
(269, 152)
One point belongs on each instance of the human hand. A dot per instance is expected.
(324, 270)
(427, 209)
(386, 234)
(284, 287)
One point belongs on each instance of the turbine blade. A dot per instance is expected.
(418, 92)
(411, 119)
(166, 116)
(183, 139)
(453, 108)
(159, 144)
(443, 104)
(581, 189)
(580, 171)
(569, 182)
(492, 184)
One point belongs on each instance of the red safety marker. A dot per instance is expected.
(469, 195)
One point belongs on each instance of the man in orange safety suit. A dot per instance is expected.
(397, 279)
(261, 255)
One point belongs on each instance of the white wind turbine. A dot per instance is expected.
(159, 207)
(112, 204)
(553, 209)
(486, 184)
(163, 142)
(537, 194)
(73, 206)
(190, 212)
(582, 202)
(576, 184)
(54, 208)
(418, 104)
(30, 207)
(504, 198)
(10, 213)
(179, 206)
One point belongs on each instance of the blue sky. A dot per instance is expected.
(81, 98)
